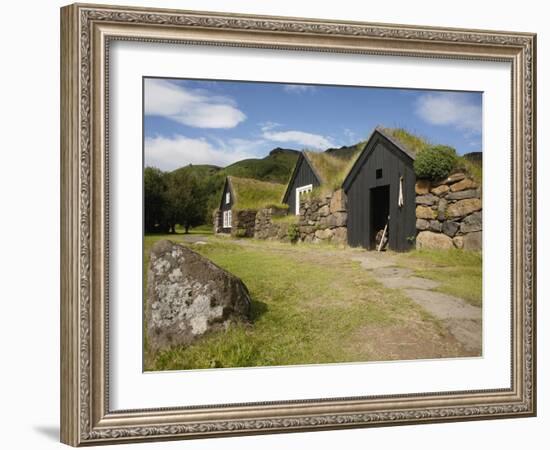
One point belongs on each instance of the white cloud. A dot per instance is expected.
(266, 126)
(302, 138)
(298, 88)
(169, 153)
(194, 108)
(450, 109)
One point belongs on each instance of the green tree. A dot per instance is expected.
(187, 200)
(155, 189)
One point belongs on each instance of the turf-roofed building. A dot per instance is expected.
(240, 201)
(316, 170)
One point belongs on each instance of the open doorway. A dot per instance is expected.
(379, 212)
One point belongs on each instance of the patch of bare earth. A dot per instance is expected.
(407, 342)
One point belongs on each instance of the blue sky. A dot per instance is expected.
(220, 122)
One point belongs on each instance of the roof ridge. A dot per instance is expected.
(400, 145)
(312, 165)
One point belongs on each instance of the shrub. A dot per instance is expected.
(435, 162)
(293, 232)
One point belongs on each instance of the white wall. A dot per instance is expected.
(29, 256)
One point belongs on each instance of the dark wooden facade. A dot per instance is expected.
(372, 188)
(303, 175)
(225, 206)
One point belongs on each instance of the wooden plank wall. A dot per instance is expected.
(394, 164)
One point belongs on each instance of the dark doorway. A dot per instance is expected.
(379, 212)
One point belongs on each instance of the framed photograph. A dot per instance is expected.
(278, 224)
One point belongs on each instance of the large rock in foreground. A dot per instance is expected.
(188, 296)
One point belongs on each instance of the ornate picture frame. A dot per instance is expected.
(86, 34)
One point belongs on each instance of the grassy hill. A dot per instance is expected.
(275, 167)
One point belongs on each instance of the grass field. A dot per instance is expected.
(312, 304)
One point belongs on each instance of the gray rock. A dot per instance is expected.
(455, 177)
(189, 296)
(340, 235)
(435, 225)
(442, 209)
(422, 224)
(462, 208)
(461, 195)
(324, 234)
(427, 200)
(338, 201)
(473, 241)
(471, 223)
(324, 211)
(334, 220)
(450, 228)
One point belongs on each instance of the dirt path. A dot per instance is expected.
(461, 319)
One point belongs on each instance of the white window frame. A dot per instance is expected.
(229, 218)
(301, 190)
(227, 198)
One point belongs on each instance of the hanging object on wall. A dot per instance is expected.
(400, 201)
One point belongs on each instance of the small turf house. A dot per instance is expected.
(380, 190)
(313, 170)
(240, 200)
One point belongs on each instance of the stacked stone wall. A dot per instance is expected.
(449, 213)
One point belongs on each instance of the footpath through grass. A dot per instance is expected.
(458, 271)
(309, 306)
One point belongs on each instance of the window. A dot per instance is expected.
(227, 198)
(378, 173)
(299, 191)
(227, 219)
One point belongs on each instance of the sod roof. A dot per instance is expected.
(330, 169)
(255, 194)
(411, 143)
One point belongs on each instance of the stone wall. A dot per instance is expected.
(324, 218)
(449, 213)
(242, 223)
(267, 228)
(217, 221)
(321, 220)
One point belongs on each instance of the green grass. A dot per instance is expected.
(473, 168)
(254, 194)
(288, 218)
(275, 167)
(411, 141)
(332, 169)
(303, 310)
(458, 271)
(200, 229)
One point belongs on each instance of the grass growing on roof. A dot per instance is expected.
(332, 169)
(474, 169)
(255, 194)
(414, 143)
